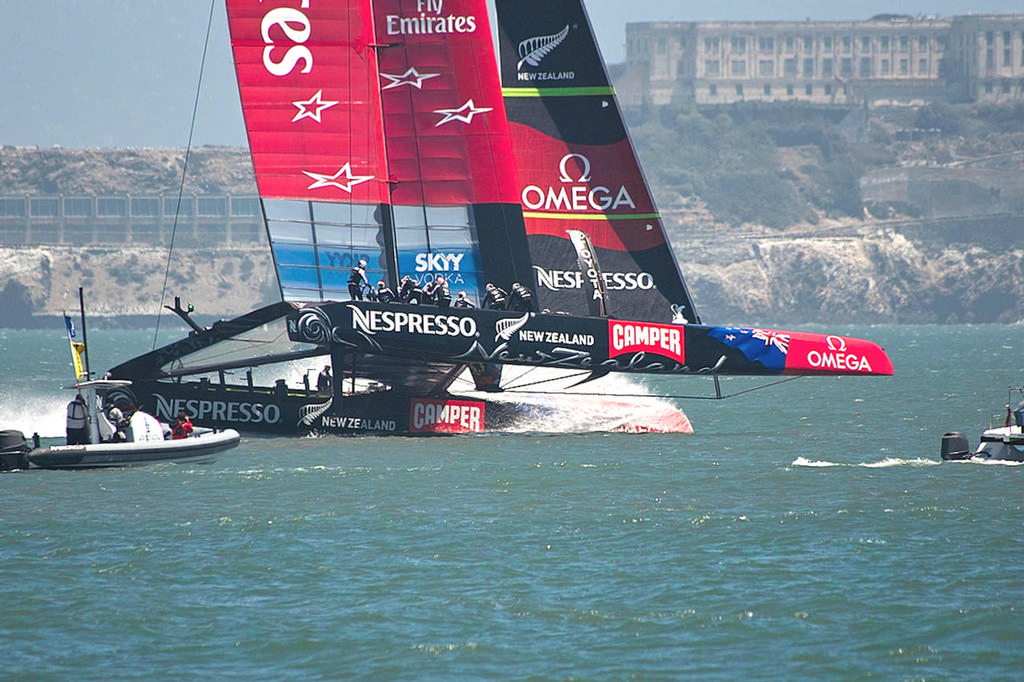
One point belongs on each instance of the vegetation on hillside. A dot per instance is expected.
(778, 165)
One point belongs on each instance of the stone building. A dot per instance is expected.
(891, 59)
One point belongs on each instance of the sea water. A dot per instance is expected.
(807, 531)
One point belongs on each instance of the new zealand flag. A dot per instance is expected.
(758, 345)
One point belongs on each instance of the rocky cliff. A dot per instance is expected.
(945, 272)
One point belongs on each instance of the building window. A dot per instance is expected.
(847, 44)
(790, 44)
(789, 67)
(766, 68)
(738, 67)
(1006, 86)
(826, 44)
(904, 43)
(828, 88)
(826, 68)
(885, 67)
(766, 44)
(12, 208)
(1007, 59)
(789, 90)
(904, 67)
(767, 90)
(990, 38)
(809, 90)
(738, 44)
(990, 60)
(988, 87)
(808, 44)
(245, 206)
(183, 208)
(711, 67)
(884, 43)
(713, 90)
(145, 207)
(44, 208)
(922, 43)
(711, 45)
(739, 90)
(78, 208)
(809, 67)
(865, 67)
(846, 67)
(213, 206)
(865, 44)
(111, 207)
(922, 67)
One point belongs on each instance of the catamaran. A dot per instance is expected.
(386, 137)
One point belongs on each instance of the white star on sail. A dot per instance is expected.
(312, 107)
(464, 113)
(323, 180)
(411, 77)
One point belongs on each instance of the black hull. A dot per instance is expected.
(295, 412)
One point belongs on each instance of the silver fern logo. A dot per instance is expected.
(504, 329)
(533, 50)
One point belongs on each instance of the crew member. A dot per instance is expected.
(323, 382)
(182, 426)
(384, 293)
(496, 298)
(409, 291)
(78, 422)
(462, 302)
(357, 280)
(438, 292)
(521, 299)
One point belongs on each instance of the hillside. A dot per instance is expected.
(778, 215)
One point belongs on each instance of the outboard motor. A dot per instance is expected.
(13, 450)
(955, 446)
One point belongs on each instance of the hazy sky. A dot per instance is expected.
(123, 73)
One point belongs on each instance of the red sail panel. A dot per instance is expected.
(446, 130)
(307, 76)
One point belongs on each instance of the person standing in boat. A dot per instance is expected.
(323, 382)
(182, 426)
(357, 280)
(78, 422)
(496, 298)
(521, 299)
(384, 292)
(437, 293)
(409, 291)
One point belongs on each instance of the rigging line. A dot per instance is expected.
(517, 388)
(184, 171)
(653, 395)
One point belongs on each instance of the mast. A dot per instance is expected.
(85, 340)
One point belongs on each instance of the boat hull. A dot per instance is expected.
(297, 412)
(1004, 444)
(194, 450)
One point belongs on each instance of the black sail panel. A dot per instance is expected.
(577, 169)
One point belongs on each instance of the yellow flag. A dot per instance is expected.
(77, 351)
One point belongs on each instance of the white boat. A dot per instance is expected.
(1002, 443)
(146, 441)
(140, 439)
(199, 448)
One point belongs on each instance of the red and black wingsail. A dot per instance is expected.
(577, 168)
(377, 132)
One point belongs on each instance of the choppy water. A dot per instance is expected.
(804, 532)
